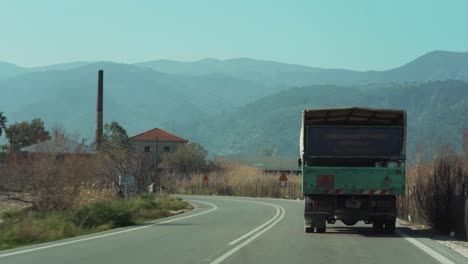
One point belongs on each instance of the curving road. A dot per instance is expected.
(237, 230)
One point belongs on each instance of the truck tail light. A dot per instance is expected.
(325, 181)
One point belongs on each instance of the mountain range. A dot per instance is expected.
(236, 105)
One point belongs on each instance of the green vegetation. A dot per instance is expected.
(115, 136)
(186, 159)
(21, 228)
(24, 134)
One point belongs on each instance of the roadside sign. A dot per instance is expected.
(283, 177)
(283, 184)
(206, 180)
(189, 178)
(181, 178)
(126, 180)
(283, 180)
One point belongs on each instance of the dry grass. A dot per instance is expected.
(237, 180)
(437, 189)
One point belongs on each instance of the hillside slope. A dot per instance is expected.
(437, 112)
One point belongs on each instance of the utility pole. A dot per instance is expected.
(99, 110)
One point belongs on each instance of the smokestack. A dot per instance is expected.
(99, 123)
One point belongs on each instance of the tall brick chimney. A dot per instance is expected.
(99, 118)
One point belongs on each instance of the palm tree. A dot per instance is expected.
(3, 121)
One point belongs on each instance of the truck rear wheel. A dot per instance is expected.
(321, 229)
(377, 226)
(390, 226)
(349, 222)
(309, 229)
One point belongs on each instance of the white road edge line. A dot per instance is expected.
(278, 211)
(425, 248)
(108, 234)
(248, 241)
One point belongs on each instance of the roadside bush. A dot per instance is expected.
(143, 215)
(24, 228)
(145, 201)
(47, 181)
(25, 232)
(172, 204)
(116, 214)
(37, 228)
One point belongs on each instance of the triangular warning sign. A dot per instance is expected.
(283, 177)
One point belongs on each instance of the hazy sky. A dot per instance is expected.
(353, 34)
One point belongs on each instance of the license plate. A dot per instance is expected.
(353, 204)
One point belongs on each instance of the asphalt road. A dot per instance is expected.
(237, 230)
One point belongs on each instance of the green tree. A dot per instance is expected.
(3, 121)
(115, 136)
(24, 134)
(187, 158)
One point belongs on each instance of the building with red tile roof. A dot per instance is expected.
(159, 135)
(157, 141)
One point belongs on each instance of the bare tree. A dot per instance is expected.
(47, 181)
(439, 185)
(113, 163)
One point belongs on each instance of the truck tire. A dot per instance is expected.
(377, 226)
(349, 222)
(309, 229)
(321, 229)
(390, 226)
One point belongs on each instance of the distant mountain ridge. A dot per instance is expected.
(436, 65)
(139, 98)
(236, 105)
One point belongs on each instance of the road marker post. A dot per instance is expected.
(283, 182)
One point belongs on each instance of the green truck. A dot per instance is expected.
(353, 166)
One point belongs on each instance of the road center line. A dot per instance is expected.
(425, 248)
(248, 241)
(109, 234)
(278, 211)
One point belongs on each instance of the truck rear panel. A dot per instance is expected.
(354, 180)
(353, 166)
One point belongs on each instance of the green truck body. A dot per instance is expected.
(353, 166)
(352, 180)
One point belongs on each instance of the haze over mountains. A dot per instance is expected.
(237, 105)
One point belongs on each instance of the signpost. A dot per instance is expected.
(126, 181)
(283, 181)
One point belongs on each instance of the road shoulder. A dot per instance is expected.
(457, 246)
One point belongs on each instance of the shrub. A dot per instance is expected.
(172, 204)
(23, 228)
(115, 214)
